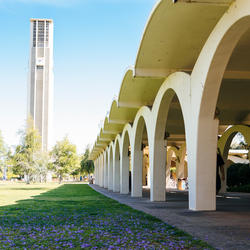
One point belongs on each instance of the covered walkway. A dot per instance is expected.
(189, 84)
(227, 228)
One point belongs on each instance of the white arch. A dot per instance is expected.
(110, 165)
(116, 168)
(179, 84)
(227, 137)
(97, 170)
(106, 167)
(124, 171)
(102, 170)
(143, 116)
(205, 85)
(180, 153)
(127, 129)
(224, 145)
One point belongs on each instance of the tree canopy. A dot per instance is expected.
(87, 166)
(27, 153)
(3, 151)
(64, 158)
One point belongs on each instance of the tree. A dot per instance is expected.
(64, 158)
(4, 156)
(3, 151)
(87, 166)
(41, 165)
(9, 162)
(26, 154)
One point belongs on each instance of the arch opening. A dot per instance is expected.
(110, 168)
(116, 168)
(125, 185)
(170, 147)
(140, 161)
(234, 148)
(102, 170)
(237, 168)
(175, 131)
(106, 169)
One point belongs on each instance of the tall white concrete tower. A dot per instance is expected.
(41, 79)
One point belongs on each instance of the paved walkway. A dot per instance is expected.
(227, 228)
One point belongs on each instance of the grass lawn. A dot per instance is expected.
(12, 192)
(75, 216)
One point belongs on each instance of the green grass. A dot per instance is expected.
(10, 193)
(75, 216)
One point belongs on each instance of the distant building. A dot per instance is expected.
(41, 80)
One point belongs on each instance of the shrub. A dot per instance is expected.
(245, 189)
(238, 175)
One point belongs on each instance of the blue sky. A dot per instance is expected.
(94, 43)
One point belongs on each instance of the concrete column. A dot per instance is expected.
(116, 169)
(157, 159)
(202, 165)
(180, 164)
(110, 169)
(145, 169)
(124, 176)
(179, 173)
(168, 179)
(136, 165)
(137, 157)
(148, 173)
(105, 169)
(97, 169)
(97, 175)
(102, 171)
(168, 166)
(185, 170)
(205, 83)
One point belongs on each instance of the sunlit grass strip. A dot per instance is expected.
(75, 216)
(11, 192)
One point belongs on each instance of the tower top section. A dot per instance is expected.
(41, 19)
(41, 33)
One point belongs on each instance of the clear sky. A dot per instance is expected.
(94, 43)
